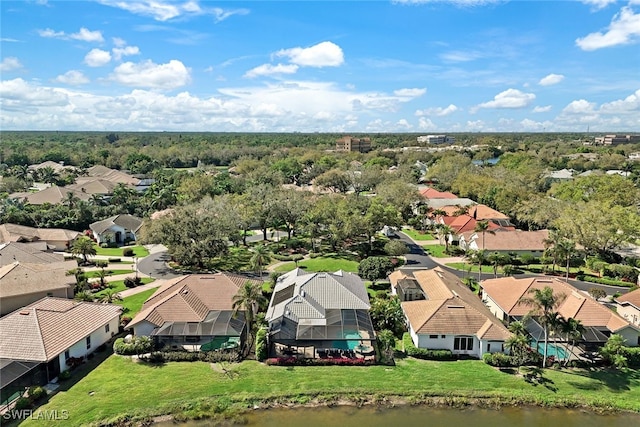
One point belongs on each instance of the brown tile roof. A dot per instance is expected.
(190, 298)
(46, 328)
(450, 308)
(432, 193)
(632, 298)
(507, 292)
(464, 223)
(90, 185)
(21, 233)
(103, 172)
(510, 240)
(55, 166)
(23, 278)
(126, 221)
(34, 253)
(482, 212)
(53, 195)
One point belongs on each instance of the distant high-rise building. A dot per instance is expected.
(349, 143)
(616, 139)
(437, 139)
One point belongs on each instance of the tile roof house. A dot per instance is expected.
(320, 312)
(432, 193)
(449, 315)
(56, 238)
(91, 186)
(629, 306)
(118, 229)
(58, 167)
(33, 253)
(53, 195)
(115, 176)
(24, 283)
(506, 241)
(194, 312)
(503, 297)
(52, 330)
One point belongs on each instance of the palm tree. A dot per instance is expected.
(70, 200)
(110, 296)
(544, 303)
(48, 175)
(478, 257)
(248, 299)
(572, 329)
(518, 343)
(444, 231)
(83, 246)
(551, 245)
(83, 296)
(259, 258)
(566, 249)
(483, 227)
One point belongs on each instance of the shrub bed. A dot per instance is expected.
(137, 345)
(194, 356)
(261, 344)
(499, 360)
(605, 281)
(293, 361)
(423, 353)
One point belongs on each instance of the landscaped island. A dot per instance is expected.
(122, 390)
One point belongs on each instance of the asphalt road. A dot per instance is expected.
(155, 265)
(418, 259)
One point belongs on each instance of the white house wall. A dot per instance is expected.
(630, 313)
(98, 337)
(493, 307)
(631, 335)
(143, 328)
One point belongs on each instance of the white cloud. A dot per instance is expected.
(551, 79)
(87, 36)
(268, 70)
(410, 93)
(147, 74)
(119, 52)
(118, 42)
(631, 104)
(72, 78)
(598, 4)
(83, 35)
(461, 56)
(426, 124)
(623, 29)
(19, 95)
(437, 111)
(325, 54)
(10, 63)
(540, 109)
(579, 106)
(97, 58)
(510, 98)
(403, 124)
(475, 125)
(161, 10)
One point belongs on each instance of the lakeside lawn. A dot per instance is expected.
(118, 285)
(133, 304)
(138, 251)
(417, 235)
(120, 386)
(330, 263)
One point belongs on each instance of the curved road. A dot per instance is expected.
(418, 259)
(155, 265)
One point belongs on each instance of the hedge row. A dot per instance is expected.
(423, 353)
(604, 281)
(294, 361)
(261, 344)
(193, 356)
(633, 355)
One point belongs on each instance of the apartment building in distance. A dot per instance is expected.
(616, 139)
(349, 143)
(436, 139)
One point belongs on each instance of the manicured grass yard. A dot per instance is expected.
(436, 251)
(133, 304)
(118, 285)
(120, 386)
(474, 267)
(92, 274)
(416, 235)
(322, 263)
(138, 251)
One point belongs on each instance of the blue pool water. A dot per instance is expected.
(552, 350)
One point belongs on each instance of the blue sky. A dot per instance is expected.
(328, 66)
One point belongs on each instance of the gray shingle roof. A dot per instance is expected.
(126, 221)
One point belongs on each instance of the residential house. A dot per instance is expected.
(482, 212)
(629, 306)
(52, 195)
(32, 253)
(510, 241)
(315, 314)
(119, 229)
(113, 175)
(432, 193)
(23, 283)
(57, 167)
(91, 186)
(560, 175)
(194, 312)
(39, 339)
(56, 238)
(504, 298)
(449, 315)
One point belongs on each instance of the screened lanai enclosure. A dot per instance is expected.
(220, 330)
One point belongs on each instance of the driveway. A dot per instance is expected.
(155, 264)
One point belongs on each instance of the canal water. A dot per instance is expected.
(419, 416)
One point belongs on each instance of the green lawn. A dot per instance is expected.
(110, 272)
(118, 285)
(416, 235)
(474, 267)
(322, 263)
(436, 251)
(121, 386)
(138, 251)
(133, 304)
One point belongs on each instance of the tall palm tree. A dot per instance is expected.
(83, 246)
(544, 303)
(249, 299)
(483, 227)
(572, 329)
(259, 258)
(566, 249)
(48, 175)
(551, 246)
(444, 231)
(477, 257)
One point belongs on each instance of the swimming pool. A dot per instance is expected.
(552, 350)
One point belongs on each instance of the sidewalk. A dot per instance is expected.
(142, 288)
